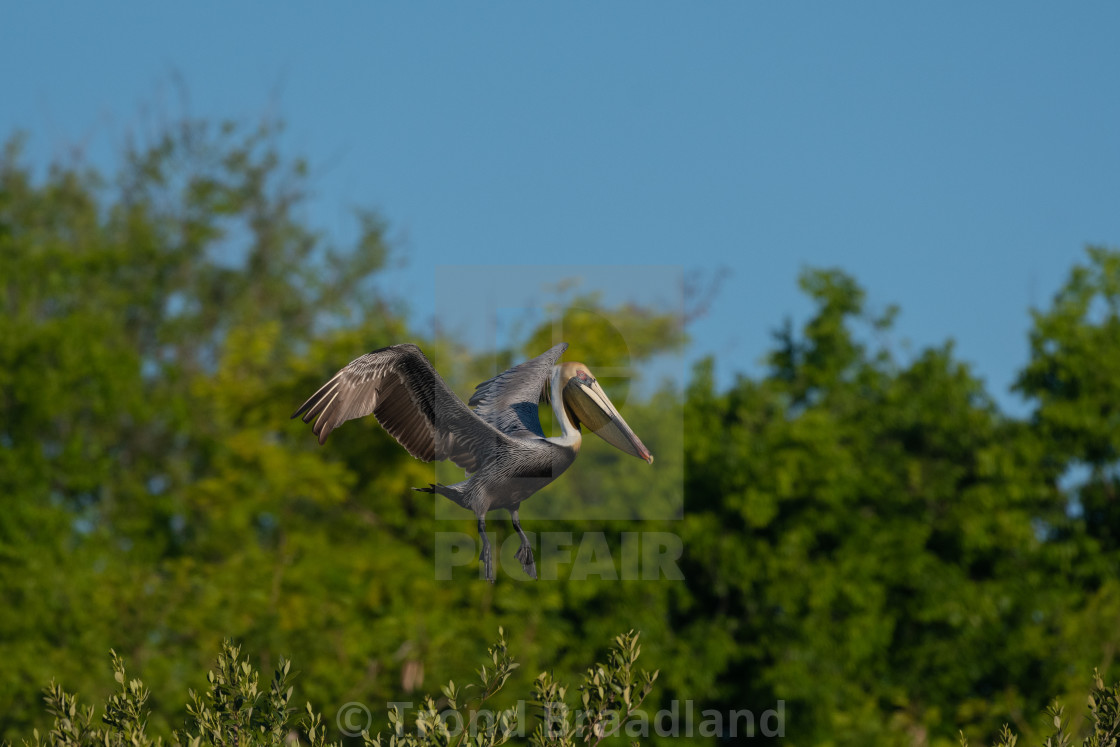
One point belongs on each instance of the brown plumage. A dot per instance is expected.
(499, 443)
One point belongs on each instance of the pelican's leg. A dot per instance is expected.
(486, 558)
(525, 552)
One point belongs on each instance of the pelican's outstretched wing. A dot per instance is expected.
(402, 389)
(509, 401)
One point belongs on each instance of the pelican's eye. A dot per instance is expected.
(584, 377)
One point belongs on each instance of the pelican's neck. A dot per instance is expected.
(569, 431)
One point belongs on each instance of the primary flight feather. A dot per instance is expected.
(499, 443)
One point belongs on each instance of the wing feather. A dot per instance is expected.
(399, 386)
(510, 400)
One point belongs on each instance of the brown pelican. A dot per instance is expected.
(499, 443)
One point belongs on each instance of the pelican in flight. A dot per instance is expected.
(499, 443)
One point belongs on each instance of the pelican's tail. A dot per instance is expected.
(453, 492)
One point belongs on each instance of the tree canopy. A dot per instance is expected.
(865, 536)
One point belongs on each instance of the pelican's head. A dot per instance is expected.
(587, 403)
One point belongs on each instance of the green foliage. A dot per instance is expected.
(867, 538)
(235, 707)
(148, 334)
(610, 695)
(1074, 354)
(1104, 715)
(862, 522)
(472, 725)
(234, 711)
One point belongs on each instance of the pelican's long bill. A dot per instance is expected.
(499, 444)
(589, 403)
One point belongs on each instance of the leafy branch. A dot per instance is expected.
(235, 711)
(610, 695)
(1104, 714)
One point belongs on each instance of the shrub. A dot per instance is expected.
(1104, 717)
(235, 711)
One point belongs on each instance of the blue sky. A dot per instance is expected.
(954, 157)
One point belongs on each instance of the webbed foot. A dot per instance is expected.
(525, 555)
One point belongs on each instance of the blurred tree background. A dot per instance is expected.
(866, 537)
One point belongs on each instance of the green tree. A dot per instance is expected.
(158, 328)
(1072, 378)
(865, 537)
(150, 327)
(866, 529)
(1073, 381)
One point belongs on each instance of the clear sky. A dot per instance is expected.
(954, 157)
